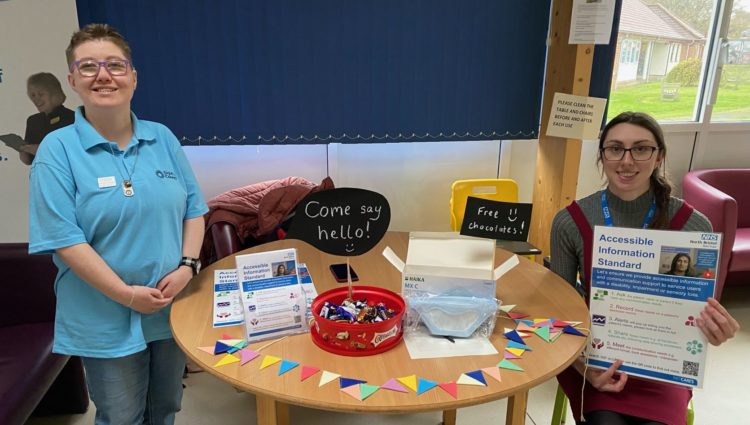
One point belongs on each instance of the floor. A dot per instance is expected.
(722, 401)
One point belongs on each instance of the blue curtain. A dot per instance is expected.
(347, 71)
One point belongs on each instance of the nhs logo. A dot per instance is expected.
(709, 237)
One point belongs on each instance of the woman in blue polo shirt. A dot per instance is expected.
(114, 198)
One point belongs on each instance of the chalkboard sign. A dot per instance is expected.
(496, 220)
(344, 221)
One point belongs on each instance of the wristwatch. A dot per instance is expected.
(193, 263)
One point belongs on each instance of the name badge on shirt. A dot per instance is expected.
(54, 120)
(106, 182)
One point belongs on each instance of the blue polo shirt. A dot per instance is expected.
(76, 196)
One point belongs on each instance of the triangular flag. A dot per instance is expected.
(543, 333)
(509, 355)
(506, 364)
(366, 390)
(507, 307)
(518, 352)
(477, 374)
(540, 320)
(493, 371)
(522, 346)
(560, 324)
(348, 382)
(220, 347)
(573, 331)
(327, 377)
(246, 355)
(525, 322)
(524, 334)
(286, 366)
(553, 336)
(465, 379)
(209, 349)
(425, 385)
(226, 360)
(525, 328)
(451, 388)
(517, 315)
(409, 381)
(393, 385)
(546, 323)
(227, 336)
(269, 360)
(230, 342)
(307, 371)
(513, 336)
(574, 323)
(353, 391)
(506, 330)
(236, 347)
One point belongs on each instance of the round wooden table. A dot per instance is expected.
(535, 290)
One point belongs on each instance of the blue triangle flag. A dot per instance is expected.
(348, 382)
(477, 374)
(514, 336)
(221, 347)
(286, 366)
(513, 344)
(425, 385)
(573, 331)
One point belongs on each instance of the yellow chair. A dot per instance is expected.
(504, 190)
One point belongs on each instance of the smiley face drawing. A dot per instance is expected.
(349, 248)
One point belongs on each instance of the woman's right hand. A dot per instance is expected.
(148, 300)
(609, 380)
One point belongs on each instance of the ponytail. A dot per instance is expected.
(662, 191)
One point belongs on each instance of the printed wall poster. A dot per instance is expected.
(647, 288)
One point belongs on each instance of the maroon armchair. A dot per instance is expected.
(724, 197)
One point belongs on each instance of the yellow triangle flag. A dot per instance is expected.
(269, 360)
(409, 381)
(226, 360)
(517, 351)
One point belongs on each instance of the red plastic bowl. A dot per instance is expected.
(354, 339)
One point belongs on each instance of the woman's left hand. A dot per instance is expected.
(716, 323)
(174, 282)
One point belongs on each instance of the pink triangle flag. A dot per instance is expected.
(493, 371)
(209, 350)
(307, 371)
(227, 336)
(247, 354)
(393, 385)
(451, 388)
(354, 391)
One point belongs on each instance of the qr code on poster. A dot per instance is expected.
(690, 368)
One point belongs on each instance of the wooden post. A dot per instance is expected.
(558, 159)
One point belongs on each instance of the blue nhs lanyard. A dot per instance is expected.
(608, 216)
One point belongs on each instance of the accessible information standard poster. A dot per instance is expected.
(647, 288)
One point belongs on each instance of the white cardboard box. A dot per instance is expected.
(437, 262)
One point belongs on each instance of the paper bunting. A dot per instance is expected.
(494, 372)
(209, 349)
(227, 336)
(560, 324)
(522, 346)
(574, 323)
(513, 315)
(465, 379)
(366, 390)
(553, 336)
(425, 385)
(477, 374)
(353, 391)
(327, 377)
(228, 359)
(506, 364)
(230, 342)
(307, 371)
(525, 327)
(247, 355)
(409, 381)
(513, 336)
(518, 352)
(525, 322)
(451, 388)
(524, 334)
(393, 385)
(220, 347)
(540, 320)
(348, 382)
(510, 355)
(573, 331)
(543, 333)
(507, 307)
(286, 366)
(269, 360)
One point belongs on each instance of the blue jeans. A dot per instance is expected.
(142, 388)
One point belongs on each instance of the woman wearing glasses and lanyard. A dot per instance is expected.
(632, 152)
(114, 198)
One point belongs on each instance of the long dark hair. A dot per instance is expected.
(689, 272)
(659, 183)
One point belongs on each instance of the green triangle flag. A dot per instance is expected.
(367, 390)
(506, 364)
(543, 332)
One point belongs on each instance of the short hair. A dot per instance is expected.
(92, 32)
(47, 82)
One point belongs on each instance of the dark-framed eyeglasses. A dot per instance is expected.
(638, 153)
(90, 67)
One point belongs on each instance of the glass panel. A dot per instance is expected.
(733, 98)
(662, 45)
